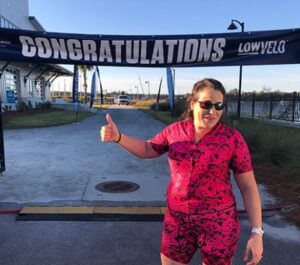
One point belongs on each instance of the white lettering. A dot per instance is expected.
(105, 52)
(89, 50)
(158, 53)
(74, 48)
(255, 46)
(247, 47)
(44, 48)
(144, 60)
(170, 52)
(205, 49)
(28, 46)
(281, 46)
(218, 45)
(191, 50)
(240, 48)
(262, 47)
(180, 51)
(132, 57)
(118, 45)
(59, 48)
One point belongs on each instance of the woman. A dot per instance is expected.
(201, 209)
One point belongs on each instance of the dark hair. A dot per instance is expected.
(198, 86)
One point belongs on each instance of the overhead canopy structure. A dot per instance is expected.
(226, 49)
(48, 68)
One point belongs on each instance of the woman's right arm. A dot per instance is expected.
(140, 148)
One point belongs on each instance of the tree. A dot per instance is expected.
(233, 92)
(84, 69)
(266, 89)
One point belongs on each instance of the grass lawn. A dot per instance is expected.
(99, 106)
(275, 152)
(163, 116)
(35, 119)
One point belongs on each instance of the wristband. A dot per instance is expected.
(120, 136)
(257, 230)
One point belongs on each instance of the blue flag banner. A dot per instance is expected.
(222, 49)
(93, 89)
(170, 88)
(75, 87)
(101, 89)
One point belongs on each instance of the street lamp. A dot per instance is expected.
(148, 87)
(233, 26)
(65, 87)
(137, 92)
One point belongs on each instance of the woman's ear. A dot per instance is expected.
(192, 103)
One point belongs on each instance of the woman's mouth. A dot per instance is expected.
(209, 118)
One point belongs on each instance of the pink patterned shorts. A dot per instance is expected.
(215, 234)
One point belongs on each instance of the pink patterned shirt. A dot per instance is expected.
(200, 172)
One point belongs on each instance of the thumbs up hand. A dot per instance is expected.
(110, 132)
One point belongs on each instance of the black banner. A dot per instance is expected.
(226, 49)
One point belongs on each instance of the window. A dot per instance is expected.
(30, 86)
(11, 85)
(40, 91)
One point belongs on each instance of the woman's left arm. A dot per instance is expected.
(248, 187)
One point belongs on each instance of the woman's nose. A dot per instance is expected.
(212, 110)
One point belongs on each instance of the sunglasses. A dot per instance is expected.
(209, 105)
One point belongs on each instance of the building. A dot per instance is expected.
(26, 82)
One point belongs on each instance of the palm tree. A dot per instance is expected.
(84, 69)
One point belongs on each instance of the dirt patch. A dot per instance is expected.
(284, 184)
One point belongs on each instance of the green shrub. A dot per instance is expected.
(47, 104)
(163, 106)
(29, 105)
(43, 105)
(179, 107)
(144, 103)
(252, 131)
(38, 105)
(273, 143)
(6, 108)
(21, 106)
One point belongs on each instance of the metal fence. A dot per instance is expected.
(269, 106)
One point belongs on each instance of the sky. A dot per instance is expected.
(164, 17)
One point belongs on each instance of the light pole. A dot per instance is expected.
(65, 87)
(137, 92)
(232, 26)
(148, 87)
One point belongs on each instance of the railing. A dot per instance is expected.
(269, 106)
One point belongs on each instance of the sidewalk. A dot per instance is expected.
(63, 164)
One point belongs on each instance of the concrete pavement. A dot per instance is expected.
(60, 166)
(65, 163)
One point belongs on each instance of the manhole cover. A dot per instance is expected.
(117, 186)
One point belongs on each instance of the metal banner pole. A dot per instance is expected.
(2, 154)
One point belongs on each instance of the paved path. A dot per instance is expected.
(64, 163)
(61, 166)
